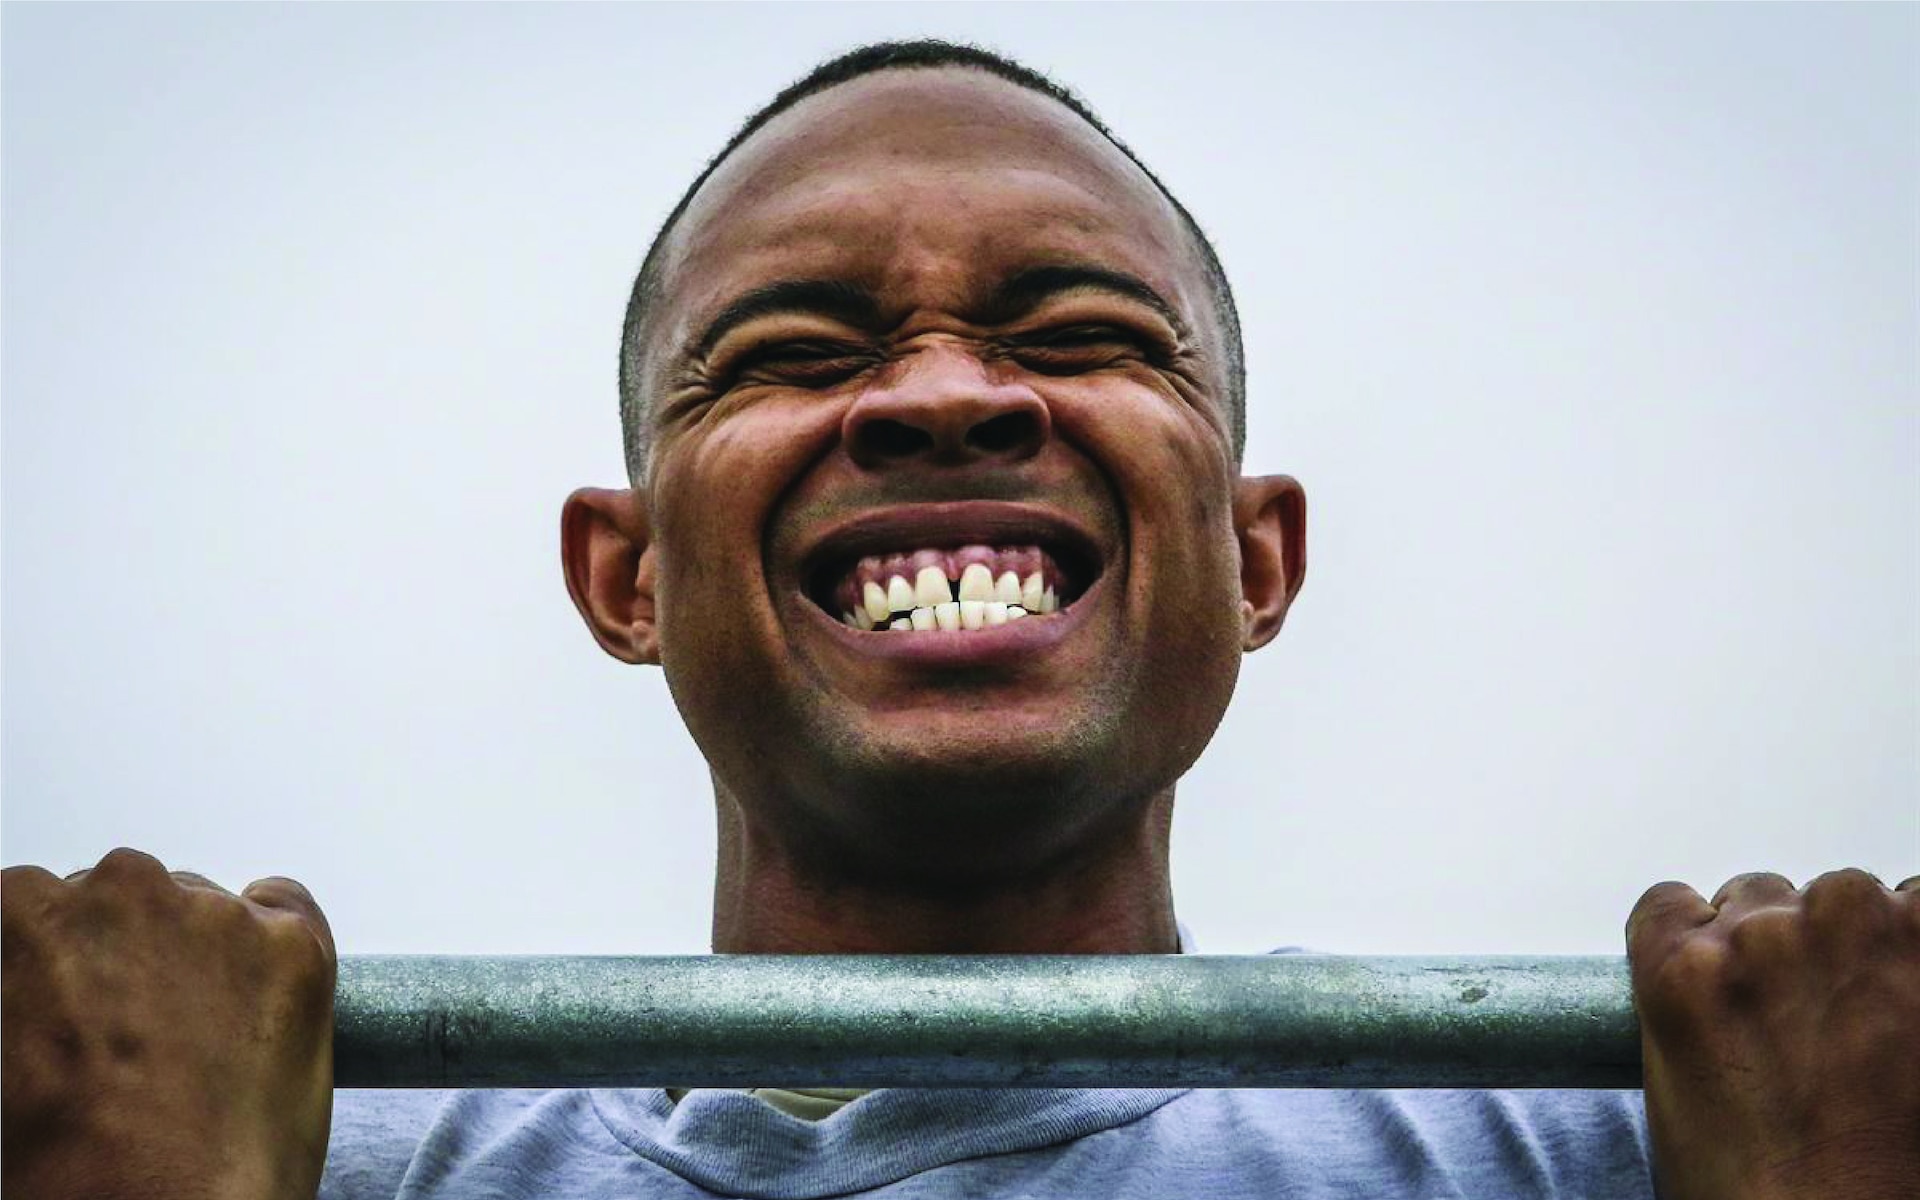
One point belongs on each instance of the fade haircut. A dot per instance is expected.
(854, 64)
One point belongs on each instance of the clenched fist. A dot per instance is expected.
(163, 1037)
(1780, 1033)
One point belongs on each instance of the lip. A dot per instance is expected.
(945, 526)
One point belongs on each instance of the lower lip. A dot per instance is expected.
(994, 645)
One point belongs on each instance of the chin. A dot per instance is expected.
(960, 795)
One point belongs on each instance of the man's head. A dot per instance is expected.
(928, 53)
(931, 316)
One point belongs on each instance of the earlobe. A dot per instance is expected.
(606, 550)
(1270, 518)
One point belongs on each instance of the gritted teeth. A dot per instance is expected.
(970, 587)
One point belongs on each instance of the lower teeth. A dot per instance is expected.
(952, 617)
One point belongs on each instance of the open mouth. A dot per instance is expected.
(953, 581)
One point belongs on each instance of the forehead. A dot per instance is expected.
(926, 186)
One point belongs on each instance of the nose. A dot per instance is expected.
(944, 409)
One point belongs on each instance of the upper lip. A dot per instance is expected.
(944, 526)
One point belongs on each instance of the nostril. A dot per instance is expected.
(894, 439)
(1008, 431)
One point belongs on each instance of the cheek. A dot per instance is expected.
(1170, 463)
(714, 488)
(1175, 474)
(724, 479)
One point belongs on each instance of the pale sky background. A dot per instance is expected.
(1590, 331)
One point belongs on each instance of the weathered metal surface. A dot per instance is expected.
(1019, 1021)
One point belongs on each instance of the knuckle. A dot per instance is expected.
(1764, 935)
(25, 875)
(195, 880)
(296, 942)
(1697, 969)
(125, 865)
(1843, 898)
(1652, 902)
(1751, 881)
(283, 887)
(1846, 880)
(1655, 916)
(21, 886)
(1658, 892)
(288, 898)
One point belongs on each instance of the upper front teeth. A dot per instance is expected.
(926, 599)
(930, 588)
(976, 583)
(899, 595)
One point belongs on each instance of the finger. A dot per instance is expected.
(19, 887)
(124, 865)
(194, 879)
(1844, 886)
(1663, 913)
(1755, 889)
(1849, 908)
(289, 895)
(1844, 877)
(26, 875)
(1910, 884)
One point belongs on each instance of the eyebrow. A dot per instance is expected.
(1020, 295)
(837, 298)
(1012, 299)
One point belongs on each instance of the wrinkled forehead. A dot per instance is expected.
(926, 186)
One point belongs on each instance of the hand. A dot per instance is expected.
(1780, 1033)
(162, 1037)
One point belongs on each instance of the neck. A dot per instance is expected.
(1111, 896)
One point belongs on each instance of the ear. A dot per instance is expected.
(606, 549)
(1270, 517)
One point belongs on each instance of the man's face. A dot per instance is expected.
(930, 319)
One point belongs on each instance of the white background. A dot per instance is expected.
(1591, 332)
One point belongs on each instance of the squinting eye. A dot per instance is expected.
(1078, 348)
(807, 363)
(800, 352)
(1083, 335)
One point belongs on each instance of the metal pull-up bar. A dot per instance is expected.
(986, 1021)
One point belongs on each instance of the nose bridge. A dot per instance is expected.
(944, 404)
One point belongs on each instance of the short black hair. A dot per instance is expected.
(867, 60)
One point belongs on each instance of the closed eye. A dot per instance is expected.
(1078, 335)
(802, 363)
(1076, 348)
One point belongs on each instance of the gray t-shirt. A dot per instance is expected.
(967, 1144)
